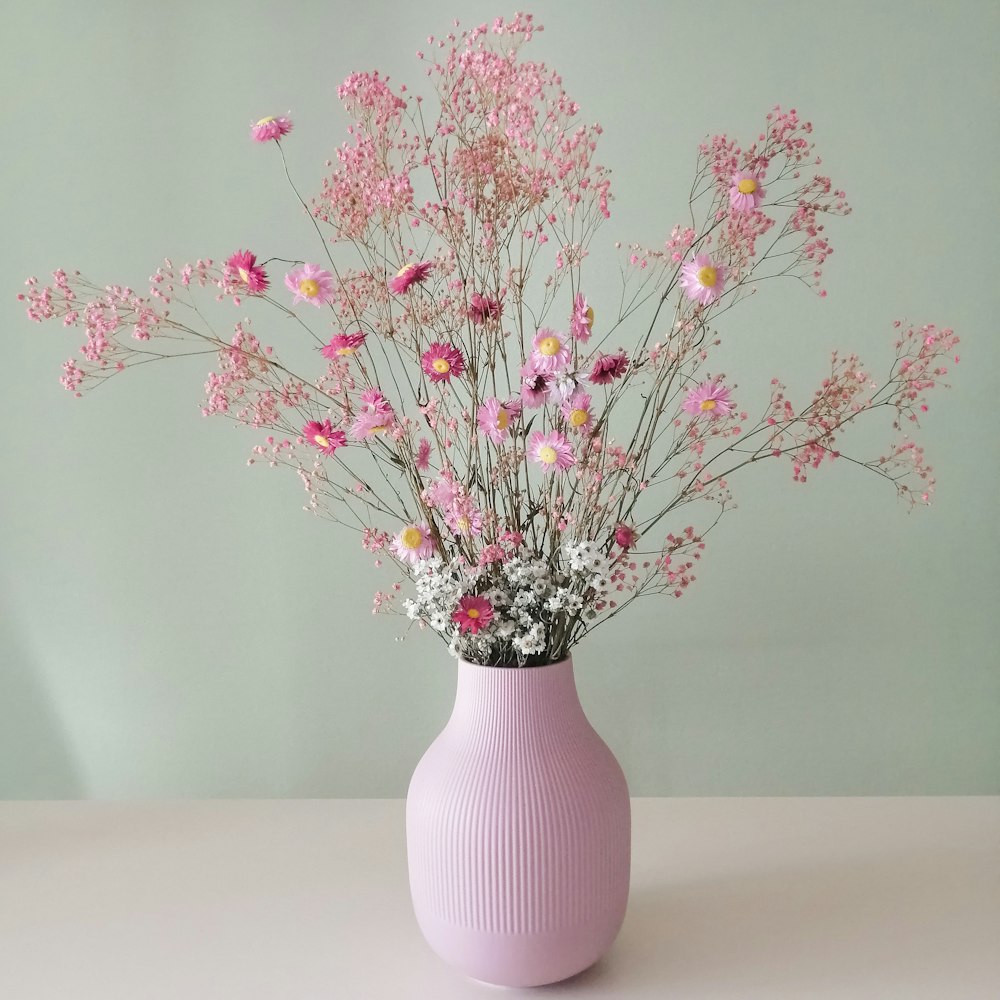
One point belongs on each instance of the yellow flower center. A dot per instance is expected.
(323, 442)
(707, 404)
(464, 524)
(549, 346)
(578, 418)
(411, 538)
(441, 366)
(473, 612)
(707, 276)
(746, 186)
(547, 455)
(309, 288)
(244, 275)
(590, 316)
(403, 270)
(502, 420)
(344, 351)
(264, 121)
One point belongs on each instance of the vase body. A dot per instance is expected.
(518, 829)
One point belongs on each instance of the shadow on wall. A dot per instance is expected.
(35, 758)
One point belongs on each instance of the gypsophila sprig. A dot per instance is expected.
(464, 410)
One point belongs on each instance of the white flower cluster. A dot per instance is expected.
(534, 602)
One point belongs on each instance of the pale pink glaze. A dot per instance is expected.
(519, 830)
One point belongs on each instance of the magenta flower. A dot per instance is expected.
(423, 459)
(413, 543)
(550, 353)
(702, 280)
(608, 367)
(472, 614)
(746, 193)
(243, 267)
(482, 308)
(710, 398)
(323, 436)
(551, 451)
(576, 411)
(374, 415)
(625, 536)
(409, 274)
(271, 128)
(441, 361)
(581, 323)
(310, 283)
(494, 418)
(343, 345)
(536, 386)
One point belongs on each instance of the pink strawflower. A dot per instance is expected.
(343, 345)
(625, 536)
(443, 492)
(710, 398)
(409, 274)
(310, 283)
(536, 386)
(243, 267)
(576, 411)
(441, 361)
(608, 367)
(550, 354)
(271, 128)
(423, 458)
(581, 323)
(375, 414)
(494, 418)
(472, 614)
(323, 436)
(483, 308)
(551, 451)
(464, 518)
(703, 280)
(746, 193)
(413, 543)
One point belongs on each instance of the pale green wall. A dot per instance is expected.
(171, 623)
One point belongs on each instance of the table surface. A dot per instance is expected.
(818, 898)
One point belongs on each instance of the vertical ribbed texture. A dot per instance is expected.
(518, 819)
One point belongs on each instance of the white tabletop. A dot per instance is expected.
(308, 900)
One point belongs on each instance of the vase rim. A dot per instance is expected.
(568, 659)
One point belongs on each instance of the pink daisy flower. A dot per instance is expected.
(443, 492)
(576, 411)
(343, 345)
(482, 308)
(625, 536)
(536, 386)
(323, 436)
(243, 267)
(551, 451)
(550, 353)
(271, 128)
(375, 414)
(423, 458)
(472, 614)
(413, 543)
(702, 280)
(441, 361)
(711, 398)
(310, 283)
(464, 518)
(608, 367)
(581, 323)
(494, 418)
(746, 193)
(409, 274)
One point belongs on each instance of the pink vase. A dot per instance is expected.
(518, 830)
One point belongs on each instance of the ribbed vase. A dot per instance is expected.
(518, 830)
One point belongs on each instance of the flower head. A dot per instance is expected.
(310, 283)
(441, 361)
(271, 128)
(710, 398)
(243, 267)
(746, 193)
(550, 352)
(625, 536)
(375, 414)
(323, 436)
(703, 280)
(413, 543)
(581, 323)
(472, 614)
(536, 386)
(608, 367)
(494, 418)
(343, 345)
(464, 518)
(551, 451)
(409, 274)
(423, 457)
(483, 308)
(576, 411)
